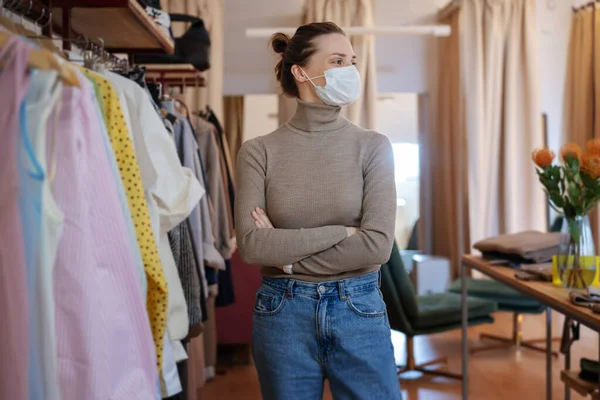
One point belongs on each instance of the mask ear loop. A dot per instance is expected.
(310, 79)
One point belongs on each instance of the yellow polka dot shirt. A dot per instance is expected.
(156, 302)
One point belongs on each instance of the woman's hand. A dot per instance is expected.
(261, 220)
(351, 231)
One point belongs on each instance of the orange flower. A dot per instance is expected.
(570, 149)
(590, 164)
(593, 147)
(542, 157)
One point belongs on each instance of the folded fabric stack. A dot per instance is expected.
(584, 299)
(535, 272)
(529, 247)
(160, 18)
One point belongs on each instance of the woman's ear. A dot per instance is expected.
(298, 74)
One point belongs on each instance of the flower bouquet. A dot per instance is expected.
(573, 190)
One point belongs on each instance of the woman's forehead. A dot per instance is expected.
(334, 44)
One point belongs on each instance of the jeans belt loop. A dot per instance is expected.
(289, 293)
(342, 291)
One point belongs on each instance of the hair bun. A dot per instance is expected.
(279, 42)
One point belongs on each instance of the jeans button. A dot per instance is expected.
(321, 289)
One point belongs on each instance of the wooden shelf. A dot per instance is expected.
(582, 387)
(122, 24)
(174, 74)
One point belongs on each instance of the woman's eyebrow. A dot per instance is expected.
(342, 55)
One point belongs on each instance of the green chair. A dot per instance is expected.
(508, 300)
(423, 315)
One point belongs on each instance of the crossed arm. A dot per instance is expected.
(327, 250)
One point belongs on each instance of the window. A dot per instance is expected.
(398, 119)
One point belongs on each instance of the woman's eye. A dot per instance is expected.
(338, 62)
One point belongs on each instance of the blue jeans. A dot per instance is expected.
(305, 333)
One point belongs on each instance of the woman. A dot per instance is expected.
(315, 205)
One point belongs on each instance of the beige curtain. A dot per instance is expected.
(582, 91)
(488, 120)
(579, 101)
(446, 154)
(234, 125)
(211, 12)
(502, 116)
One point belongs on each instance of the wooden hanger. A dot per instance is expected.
(45, 60)
(8, 24)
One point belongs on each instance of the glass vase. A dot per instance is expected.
(577, 255)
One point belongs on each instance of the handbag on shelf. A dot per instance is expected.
(193, 47)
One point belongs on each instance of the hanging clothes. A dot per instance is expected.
(226, 293)
(200, 218)
(171, 196)
(171, 193)
(185, 255)
(157, 299)
(139, 264)
(94, 272)
(111, 238)
(14, 80)
(46, 219)
(211, 163)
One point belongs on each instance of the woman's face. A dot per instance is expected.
(333, 51)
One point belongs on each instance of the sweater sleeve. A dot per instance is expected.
(271, 246)
(372, 245)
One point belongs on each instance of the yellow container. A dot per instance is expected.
(556, 276)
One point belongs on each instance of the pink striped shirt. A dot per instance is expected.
(104, 342)
(14, 333)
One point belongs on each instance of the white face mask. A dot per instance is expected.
(342, 86)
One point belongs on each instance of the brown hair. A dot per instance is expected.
(297, 50)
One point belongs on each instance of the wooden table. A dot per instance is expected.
(553, 297)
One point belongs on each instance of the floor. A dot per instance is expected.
(503, 374)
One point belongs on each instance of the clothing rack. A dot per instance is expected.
(175, 75)
(36, 11)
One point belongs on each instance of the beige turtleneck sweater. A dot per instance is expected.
(315, 175)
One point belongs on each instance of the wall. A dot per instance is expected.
(248, 62)
(260, 115)
(406, 63)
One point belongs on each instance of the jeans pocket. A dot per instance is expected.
(368, 304)
(268, 302)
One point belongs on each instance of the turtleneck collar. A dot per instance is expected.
(311, 117)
